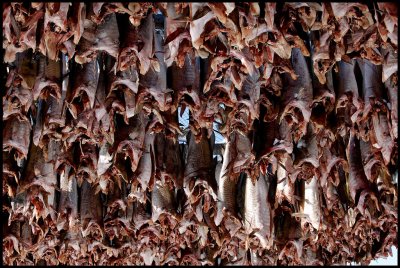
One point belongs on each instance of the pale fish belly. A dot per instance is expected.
(257, 211)
(312, 206)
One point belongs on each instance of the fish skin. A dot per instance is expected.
(299, 93)
(16, 134)
(69, 192)
(91, 206)
(199, 157)
(393, 96)
(144, 175)
(147, 35)
(162, 199)
(86, 82)
(98, 37)
(382, 133)
(312, 206)
(257, 213)
(357, 180)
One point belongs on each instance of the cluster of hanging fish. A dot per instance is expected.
(305, 96)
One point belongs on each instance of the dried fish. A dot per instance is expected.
(284, 151)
